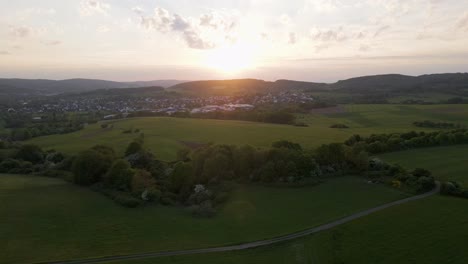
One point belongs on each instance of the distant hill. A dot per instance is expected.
(237, 86)
(75, 85)
(444, 83)
(451, 83)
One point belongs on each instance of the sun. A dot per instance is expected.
(231, 59)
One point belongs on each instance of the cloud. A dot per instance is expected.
(292, 38)
(20, 31)
(204, 32)
(53, 43)
(285, 20)
(329, 35)
(324, 6)
(381, 30)
(364, 48)
(91, 7)
(462, 22)
(103, 29)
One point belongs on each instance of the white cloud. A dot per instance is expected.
(292, 38)
(21, 31)
(204, 32)
(103, 29)
(90, 7)
(462, 22)
(53, 43)
(329, 35)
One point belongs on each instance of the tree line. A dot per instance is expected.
(380, 143)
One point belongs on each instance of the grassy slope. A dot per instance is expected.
(165, 135)
(51, 220)
(433, 230)
(446, 163)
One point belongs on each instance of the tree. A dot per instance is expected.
(119, 176)
(133, 147)
(331, 154)
(287, 144)
(141, 181)
(90, 165)
(31, 153)
(182, 177)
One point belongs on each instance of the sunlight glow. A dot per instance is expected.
(232, 59)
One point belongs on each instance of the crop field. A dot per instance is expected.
(54, 220)
(432, 230)
(166, 135)
(445, 163)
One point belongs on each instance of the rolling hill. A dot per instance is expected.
(73, 85)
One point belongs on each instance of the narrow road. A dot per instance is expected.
(251, 244)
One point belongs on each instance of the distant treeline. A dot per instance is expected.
(24, 127)
(379, 143)
(431, 124)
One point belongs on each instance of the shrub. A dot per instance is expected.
(142, 180)
(31, 153)
(90, 165)
(9, 164)
(339, 126)
(421, 173)
(119, 175)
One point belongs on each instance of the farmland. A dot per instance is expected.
(54, 220)
(432, 230)
(445, 163)
(164, 136)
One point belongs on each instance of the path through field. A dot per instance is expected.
(255, 244)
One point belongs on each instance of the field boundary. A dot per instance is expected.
(251, 245)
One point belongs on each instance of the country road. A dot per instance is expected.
(251, 244)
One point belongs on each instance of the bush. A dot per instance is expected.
(31, 153)
(90, 165)
(9, 164)
(421, 173)
(119, 175)
(141, 181)
(339, 126)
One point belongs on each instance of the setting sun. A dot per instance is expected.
(231, 59)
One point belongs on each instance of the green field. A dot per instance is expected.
(446, 163)
(44, 219)
(165, 135)
(433, 230)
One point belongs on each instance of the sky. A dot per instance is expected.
(310, 40)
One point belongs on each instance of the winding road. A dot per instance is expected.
(251, 244)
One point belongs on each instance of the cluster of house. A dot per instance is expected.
(225, 107)
(169, 106)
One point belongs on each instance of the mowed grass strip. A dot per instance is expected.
(445, 163)
(432, 230)
(164, 136)
(47, 219)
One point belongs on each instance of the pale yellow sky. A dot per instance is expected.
(313, 40)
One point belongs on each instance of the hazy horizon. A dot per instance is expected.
(306, 40)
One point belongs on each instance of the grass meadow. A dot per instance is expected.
(164, 136)
(445, 163)
(432, 230)
(46, 219)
